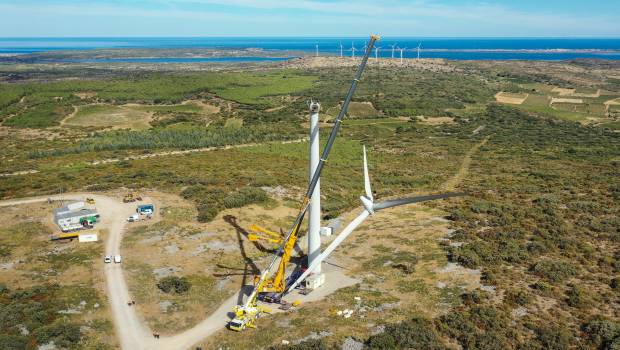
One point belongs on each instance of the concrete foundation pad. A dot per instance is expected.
(334, 279)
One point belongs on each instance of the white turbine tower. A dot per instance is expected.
(393, 47)
(353, 50)
(370, 208)
(377, 52)
(401, 53)
(341, 47)
(317, 50)
(419, 47)
(314, 210)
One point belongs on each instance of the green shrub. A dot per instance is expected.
(472, 255)
(211, 200)
(602, 333)
(245, 196)
(382, 341)
(417, 333)
(615, 283)
(13, 342)
(518, 297)
(576, 297)
(207, 212)
(554, 271)
(553, 338)
(63, 334)
(311, 344)
(174, 284)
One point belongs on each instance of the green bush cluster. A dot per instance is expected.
(182, 138)
(174, 284)
(416, 333)
(37, 309)
(554, 271)
(603, 334)
(210, 200)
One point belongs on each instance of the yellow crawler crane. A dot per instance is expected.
(276, 284)
(246, 314)
(258, 233)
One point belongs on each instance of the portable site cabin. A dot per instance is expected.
(71, 220)
(145, 209)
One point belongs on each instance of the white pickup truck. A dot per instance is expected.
(134, 218)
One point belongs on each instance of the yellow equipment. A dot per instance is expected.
(90, 200)
(257, 233)
(275, 284)
(245, 317)
(67, 235)
(130, 197)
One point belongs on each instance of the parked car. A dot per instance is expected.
(134, 218)
(107, 259)
(117, 259)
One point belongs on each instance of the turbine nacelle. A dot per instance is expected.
(368, 204)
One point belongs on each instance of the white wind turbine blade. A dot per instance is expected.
(332, 246)
(367, 188)
(369, 208)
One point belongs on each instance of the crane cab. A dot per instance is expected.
(237, 325)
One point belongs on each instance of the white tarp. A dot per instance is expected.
(75, 205)
(87, 237)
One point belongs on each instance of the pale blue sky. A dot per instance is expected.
(521, 18)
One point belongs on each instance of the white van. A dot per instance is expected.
(117, 259)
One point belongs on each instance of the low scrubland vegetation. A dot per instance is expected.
(540, 222)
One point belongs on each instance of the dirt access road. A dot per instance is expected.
(132, 333)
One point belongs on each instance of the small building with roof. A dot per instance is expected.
(74, 216)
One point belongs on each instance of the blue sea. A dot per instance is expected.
(449, 48)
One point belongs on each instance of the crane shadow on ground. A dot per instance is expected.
(250, 267)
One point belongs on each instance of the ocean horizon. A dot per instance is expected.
(473, 48)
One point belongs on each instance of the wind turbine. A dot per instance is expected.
(353, 50)
(365, 46)
(377, 52)
(370, 208)
(317, 50)
(419, 47)
(401, 53)
(341, 49)
(393, 46)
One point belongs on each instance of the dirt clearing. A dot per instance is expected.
(566, 100)
(510, 98)
(435, 120)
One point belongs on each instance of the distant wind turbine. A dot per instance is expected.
(393, 47)
(377, 52)
(419, 47)
(341, 49)
(317, 50)
(401, 53)
(353, 50)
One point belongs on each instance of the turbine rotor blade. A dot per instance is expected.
(367, 178)
(398, 202)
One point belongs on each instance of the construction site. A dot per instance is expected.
(363, 202)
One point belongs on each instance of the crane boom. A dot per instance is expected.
(249, 309)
